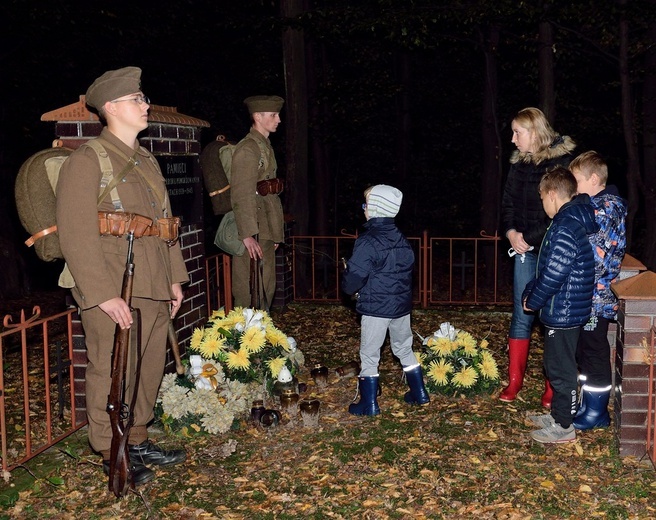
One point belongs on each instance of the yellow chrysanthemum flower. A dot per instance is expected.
(233, 318)
(238, 360)
(465, 339)
(218, 314)
(441, 346)
(253, 339)
(438, 371)
(484, 343)
(421, 357)
(196, 338)
(276, 337)
(275, 366)
(465, 378)
(469, 349)
(211, 347)
(488, 366)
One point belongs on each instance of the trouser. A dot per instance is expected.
(241, 272)
(524, 271)
(99, 336)
(593, 353)
(560, 368)
(373, 331)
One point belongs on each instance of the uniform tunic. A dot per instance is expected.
(253, 161)
(97, 264)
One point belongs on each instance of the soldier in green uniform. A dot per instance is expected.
(256, 204)
(97, 262)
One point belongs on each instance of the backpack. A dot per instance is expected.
(215, 164)
(35, 190)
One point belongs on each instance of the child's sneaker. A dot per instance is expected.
(541, 421)
(554, 434)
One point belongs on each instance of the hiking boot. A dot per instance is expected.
(541, 421)
(554, 434)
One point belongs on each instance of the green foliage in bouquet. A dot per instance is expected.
(455, 364)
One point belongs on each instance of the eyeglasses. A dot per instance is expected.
(140, 100)
(364, 206)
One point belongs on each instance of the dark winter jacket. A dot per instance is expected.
(562, 289)
(521, 207)
(609, 245)
(380, 270)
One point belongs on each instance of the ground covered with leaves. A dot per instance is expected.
(454, 458)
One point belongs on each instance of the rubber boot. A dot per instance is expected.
(517, 359)
(368, 405)
(547, 395)
(415, 379)
(594, 400)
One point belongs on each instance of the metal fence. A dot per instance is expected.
(466, 271)
(37, 394)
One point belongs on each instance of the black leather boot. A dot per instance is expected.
(149, 453)
(140, 473)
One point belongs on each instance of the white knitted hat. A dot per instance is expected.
(384, 201)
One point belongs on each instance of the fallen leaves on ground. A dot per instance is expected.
(454, 458)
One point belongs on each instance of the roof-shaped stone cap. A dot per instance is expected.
(639, 287)
(157, 114)
(631, 262)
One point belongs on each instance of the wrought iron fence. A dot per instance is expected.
(37, 391)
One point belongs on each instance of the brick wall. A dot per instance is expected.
(635, 318)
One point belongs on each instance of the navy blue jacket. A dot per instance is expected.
(380, 270)
(562, 289)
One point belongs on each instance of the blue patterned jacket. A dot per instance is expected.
(609, 246)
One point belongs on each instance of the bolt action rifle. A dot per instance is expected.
(121, 417)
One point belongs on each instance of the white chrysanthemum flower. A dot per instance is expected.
(174, 401)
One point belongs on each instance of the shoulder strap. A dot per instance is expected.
(109, 181)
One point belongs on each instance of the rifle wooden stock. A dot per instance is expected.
(119, 463)
(175, 348)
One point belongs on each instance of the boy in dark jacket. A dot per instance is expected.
(562, 292)
(380, 275)
(609, 245)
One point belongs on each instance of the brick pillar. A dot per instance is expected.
(635, 318)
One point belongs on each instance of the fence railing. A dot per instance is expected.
(37, 394)
(467, 271)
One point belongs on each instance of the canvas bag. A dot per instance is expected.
(227, 236)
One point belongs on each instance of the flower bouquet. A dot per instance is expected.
(455, 364)
(233, 360)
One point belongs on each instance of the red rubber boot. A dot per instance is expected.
(518, 357)
(547, 395)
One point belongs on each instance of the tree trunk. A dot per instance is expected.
(649, 148)
(492, 176)
(630, 140)
(295, 117)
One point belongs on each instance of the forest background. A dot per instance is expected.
(419, 94)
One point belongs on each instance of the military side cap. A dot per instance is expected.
(264, 104)
(113, 84)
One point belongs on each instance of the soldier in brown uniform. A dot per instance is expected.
(97, 263)
(259, 216)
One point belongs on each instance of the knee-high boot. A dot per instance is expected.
(368, 404)
(517, 359)
(594, 402)
(417, 393)
(547, 395)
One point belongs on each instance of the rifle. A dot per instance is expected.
(254, 283)
(175, 348)
(121, 417)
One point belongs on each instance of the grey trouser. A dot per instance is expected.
(372, 335)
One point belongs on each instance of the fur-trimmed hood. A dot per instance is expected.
(561, 145)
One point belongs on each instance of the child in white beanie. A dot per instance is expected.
(380, 273)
